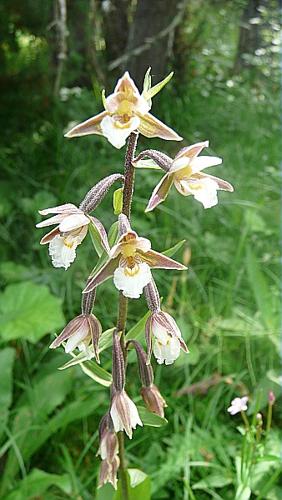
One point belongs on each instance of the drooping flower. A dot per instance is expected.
(238, 405)
(124, 413)
(72, 226)
(130, 263)
(125, 111)
(153, 399)
(185, 173)
(80, 332)
(108, 450)
(163, 332)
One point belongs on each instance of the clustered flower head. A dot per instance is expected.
(128, 259)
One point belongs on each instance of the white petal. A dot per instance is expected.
(73, 221)
(67, 207)
(117, 133)
(167, 353)
(62, 249)
(118, 425)
(134, 415)
(132, 286)
(160, 332)
(75, 339)
(203, 189)
(201, 162)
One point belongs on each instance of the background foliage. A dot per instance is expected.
(226, 89)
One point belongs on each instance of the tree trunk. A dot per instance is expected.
(151, 37)
(249, 35)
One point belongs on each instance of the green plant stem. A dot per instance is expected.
(128, 188)
(269, 418)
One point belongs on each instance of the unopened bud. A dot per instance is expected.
(118, 364)
(153, 400)
(123, 224)
(271, 398)
(94, 197)
(108, 472)
(259, 419)
(124, 413)
(145, 368)
(87, 301)
(152, 296)
(161, 159)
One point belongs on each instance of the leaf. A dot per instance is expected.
(96, 239)
(147, 81)
(214, 480)
(148, 94)
(29, 311)
(148, 164)
(136, 476)
(136, 331)
(272, 381)
(106, 339)
(171, 251)
(260, 288)
(117, 201)
(142, 490)
(150, 419)
(7, 357)
(90, 368)
(38, 482)
(112, 238)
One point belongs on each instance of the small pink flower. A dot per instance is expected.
(238, 405)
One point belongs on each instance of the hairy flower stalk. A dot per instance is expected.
(130, 262)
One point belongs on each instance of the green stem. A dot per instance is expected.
(269, 418)
(128, 188)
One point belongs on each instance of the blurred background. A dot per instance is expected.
(56, 56)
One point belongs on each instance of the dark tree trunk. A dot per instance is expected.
(249, 35)
(151, 37)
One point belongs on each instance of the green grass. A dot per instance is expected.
(226, 305)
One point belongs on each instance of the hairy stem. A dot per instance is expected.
(128, 189)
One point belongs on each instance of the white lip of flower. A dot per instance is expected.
(167, 338)
(72, 227)
(238, 405)
(125, 111)
(124, 413)
(129, 263)
(186, 175)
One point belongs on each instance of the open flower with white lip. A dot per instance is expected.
(238, 405)
(130, 263)
(124, 413)
(185, 172)
(163, 332)
(79, 333)
(126, 110)
(72, 226)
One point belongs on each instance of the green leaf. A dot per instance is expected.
(29, 311)
(148, 94)
(136, 476)
(96, 239)
(106, 339)
(104, 98)
(214, 480)
(147, 81)
(90, 368)
(171, 251)
(138, 486)
(112, 237)
(148, 164)
(260, 288)
(136, 331)
(150, 419)
(117, 201)
(7, 357)
(37, 483)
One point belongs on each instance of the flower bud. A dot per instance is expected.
(153, 400)
(145, 368)
(271, 398)
(108, 450)
(118, 364)
(161, 159)
(94, 197)
(152, 296)
(123, 224)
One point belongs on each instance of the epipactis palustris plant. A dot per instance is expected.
(129, 261)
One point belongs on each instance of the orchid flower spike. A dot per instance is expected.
(185, 172)
(72, 226)
(164, 338)
(130, 263)
(125, 111)
(238, 405)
